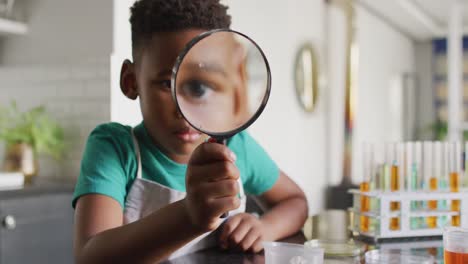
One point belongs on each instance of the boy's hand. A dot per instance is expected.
(211, 184)
(243, 232)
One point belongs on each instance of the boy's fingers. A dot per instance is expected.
(221, 205)
(213, 172)
(229, 227)
(249, 239)
(257, 245)
(209, 152)
(238, 235)
(218, 189)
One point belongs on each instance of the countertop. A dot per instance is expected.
(216, 256)
(39, 187)
(330, 225)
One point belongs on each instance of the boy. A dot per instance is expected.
(158, 191)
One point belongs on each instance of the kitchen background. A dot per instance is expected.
(61, 62)
(69, 58)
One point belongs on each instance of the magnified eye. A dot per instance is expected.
(196, 89)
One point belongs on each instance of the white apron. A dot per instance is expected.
(146, 196)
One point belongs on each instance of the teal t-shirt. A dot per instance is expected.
(109, 164)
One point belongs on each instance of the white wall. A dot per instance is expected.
(60, 31)
(295, 139)
(336, 50)
(384, 54)
(423, 62)
(123, 110)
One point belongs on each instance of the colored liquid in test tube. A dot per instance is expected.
(411, 176)
(414, 170)
(444, 179)
(395, 181)
(412, 185)
(465, 182)
(429, 182)
(366, 186)
(418, 168)
(454, 180)
(387, 166)
(434, 168)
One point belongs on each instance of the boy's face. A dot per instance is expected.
(210, 84)
(169, 131)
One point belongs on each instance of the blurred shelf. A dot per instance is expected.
(8, 27)
(464, 126)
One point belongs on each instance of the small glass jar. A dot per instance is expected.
(396, 256)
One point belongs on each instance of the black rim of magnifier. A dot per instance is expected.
(175, 69)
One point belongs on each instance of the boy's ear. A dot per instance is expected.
(128, 83)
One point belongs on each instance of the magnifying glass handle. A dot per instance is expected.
(220, 141)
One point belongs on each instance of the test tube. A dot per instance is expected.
(418, 169)
(465, 181)
(455, 168)
(411, 178)
(377, 165)
(394, 183)
(444, 179)
(401, 165)
(427, 163)
(388, 149)
(418, 164)
(431, 222)
(433, 181)
(410, 175)
(395, 175)
(377, 182)
(366, 185)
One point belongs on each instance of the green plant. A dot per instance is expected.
(440, 130)
(33, 127)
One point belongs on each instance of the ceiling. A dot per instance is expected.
(418, 19)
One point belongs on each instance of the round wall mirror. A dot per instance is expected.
(305, 77)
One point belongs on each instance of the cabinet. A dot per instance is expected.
(36, 225)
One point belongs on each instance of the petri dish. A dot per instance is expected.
(281, 253)
(338, 248)
(397, 256)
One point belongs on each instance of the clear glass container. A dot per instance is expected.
(455, 245)
(338, 249)
(397, 256)
(280, 253)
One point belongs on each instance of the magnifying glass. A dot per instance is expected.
(221, 83)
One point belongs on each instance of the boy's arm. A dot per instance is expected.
(102, 238)
(288, 211)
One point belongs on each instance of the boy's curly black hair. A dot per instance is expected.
(153, 16)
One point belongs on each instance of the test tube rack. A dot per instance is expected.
(382, 214)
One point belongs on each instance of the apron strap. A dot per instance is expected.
(241, 187)
(137, 153)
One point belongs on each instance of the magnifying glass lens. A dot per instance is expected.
(221, 82)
